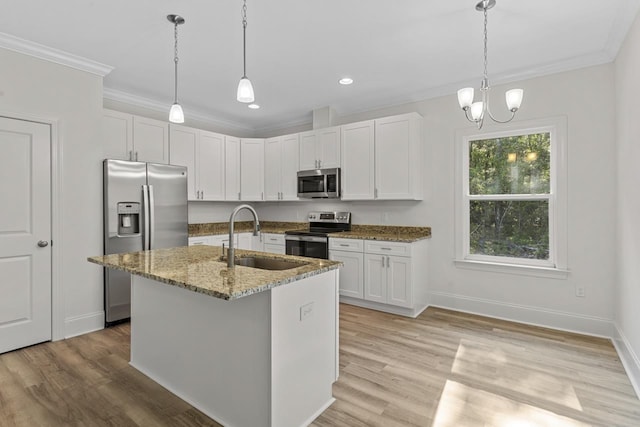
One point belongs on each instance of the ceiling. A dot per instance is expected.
(396, 51)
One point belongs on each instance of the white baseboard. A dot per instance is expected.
(629, 358)
(408, 312)
(78, 325)
(564, 321)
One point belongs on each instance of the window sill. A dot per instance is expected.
(522, 270)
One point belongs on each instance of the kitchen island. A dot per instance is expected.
(246, 346)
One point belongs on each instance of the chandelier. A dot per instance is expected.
(477, 111)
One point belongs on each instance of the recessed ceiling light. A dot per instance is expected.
(345, 81)
(254, 106)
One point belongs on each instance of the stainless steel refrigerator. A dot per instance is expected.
(145, 207)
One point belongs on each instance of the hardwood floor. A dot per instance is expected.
(442, 369)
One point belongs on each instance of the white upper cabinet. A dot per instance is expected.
(398, 157)
(320, 148)
(281, 167)
(272, 168)
(232, 168)
(202, 153)
(210, 166)
(357, 156)
(129, 137)
(252, 169)
(183, 152)
(117, 135)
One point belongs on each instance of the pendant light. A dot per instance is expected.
(480, 109)
(176, 115)
(245, 88)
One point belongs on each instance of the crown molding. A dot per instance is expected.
(620, 28)
(40, 51)
(155, 105)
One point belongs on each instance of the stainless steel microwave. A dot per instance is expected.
(319, 184)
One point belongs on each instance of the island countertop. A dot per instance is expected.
(199, 269)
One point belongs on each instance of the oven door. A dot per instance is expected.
(309, 246)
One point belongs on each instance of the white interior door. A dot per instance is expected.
(25, 234)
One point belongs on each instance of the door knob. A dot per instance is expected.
(43, 243)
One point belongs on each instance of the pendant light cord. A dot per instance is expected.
(175, 60)
(244, 39)
(485, 42)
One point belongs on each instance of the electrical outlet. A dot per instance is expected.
(306, 310)
(580, 291)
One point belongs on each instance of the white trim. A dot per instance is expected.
(401, 311)
(323, 408)
(563, 321)
(558, 198)
(629, 358)
(80, 325)
(40, 51)
(163, 107)
(620, 28)
(522, 270)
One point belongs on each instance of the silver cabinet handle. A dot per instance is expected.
(197, 194)
(202, 194)
(375, 193)
(262, 196)
(130, 155)
(238, 196)
(383, 262)
(136, 156)
(388, 262)
(386, 249)
(344, 244)
(43, 243)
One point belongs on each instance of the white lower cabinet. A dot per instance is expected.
(273, 243)
(350, 253)
(386, 276)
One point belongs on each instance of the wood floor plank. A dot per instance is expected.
(442, 369)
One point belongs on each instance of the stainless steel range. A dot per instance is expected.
(314, 242)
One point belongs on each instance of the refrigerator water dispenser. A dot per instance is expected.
(128, 218)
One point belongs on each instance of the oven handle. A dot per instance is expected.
(306, 239)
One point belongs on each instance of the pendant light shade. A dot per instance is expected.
(245, 88)
(245, 91)
(176, 115)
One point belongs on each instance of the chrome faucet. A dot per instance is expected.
(256, 228)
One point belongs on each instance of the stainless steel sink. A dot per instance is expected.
(268, 263)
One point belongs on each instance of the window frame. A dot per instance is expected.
(556, 264)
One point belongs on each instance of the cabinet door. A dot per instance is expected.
(245, 240)
(232, 168)
(150, 140)
(399, 286)
(252, 169)
(357, 161)
(351, 273)
(182, 152)
(375, 278)
(289, 167)
(308, 154)
(210, 166)
(328, 141)
(398, 158)
(117, 135)
(272, 168)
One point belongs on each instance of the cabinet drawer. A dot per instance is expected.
(350, 245)
(387, 248)
(273, 239)
(200, 240)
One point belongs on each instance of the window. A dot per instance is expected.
(512, 204)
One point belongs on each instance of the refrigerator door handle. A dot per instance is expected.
(152, 218)
(146, 217)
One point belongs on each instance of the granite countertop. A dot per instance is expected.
(389, 233)
(199, 269)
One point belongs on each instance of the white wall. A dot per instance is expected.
(627, 72)
(74, 98)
